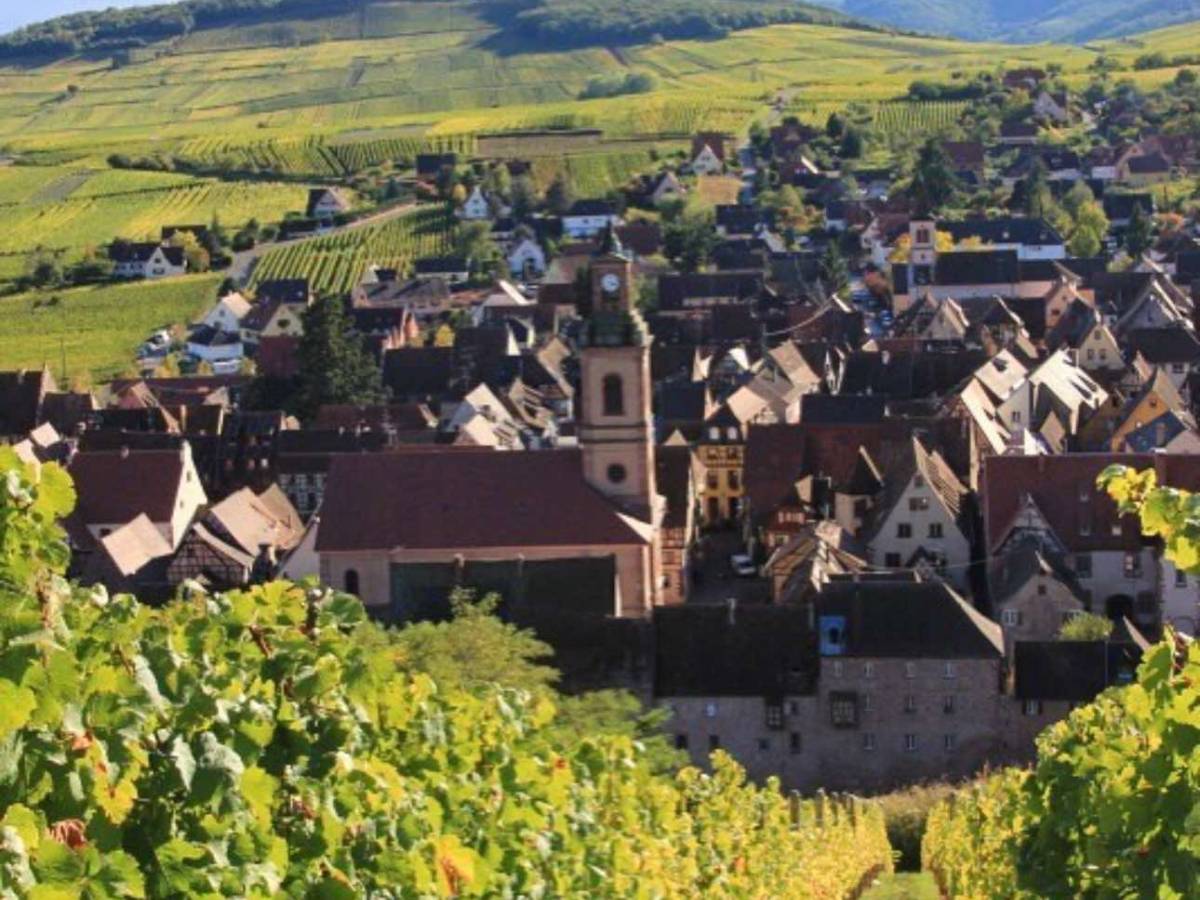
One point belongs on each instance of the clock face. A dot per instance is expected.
(611, 283)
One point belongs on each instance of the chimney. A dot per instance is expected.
(731, 610)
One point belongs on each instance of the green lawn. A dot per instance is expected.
(904, 886)
(97, 329)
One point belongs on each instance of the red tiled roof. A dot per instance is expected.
(1064, 489)
(465, 499)
(118, 485)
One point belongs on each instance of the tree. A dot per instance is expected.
(198, 258)
(474, 243)
(933, 183)
(1038, 199)
(44, 269)
(689, 240)
(1140, 232)
(834, 272)
(334, 364)
(523, 196)
(835, 126)
(851, 146)
(274, 742)
(499, 181)
(1091, 227)
(560, 195)
(1085, 627)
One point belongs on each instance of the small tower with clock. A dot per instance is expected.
(616, 428)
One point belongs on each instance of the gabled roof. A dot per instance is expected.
(1063, 488)
(753, 651)
(1006, 230)
(134, 545)
(118, 486)
(465, 499)
(908, 620)
(968, 267)
(250, 520)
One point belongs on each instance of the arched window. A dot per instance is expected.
(350, 581)
(614, 396)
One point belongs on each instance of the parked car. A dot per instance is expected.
(743, 566)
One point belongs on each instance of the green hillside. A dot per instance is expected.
(1022, 20)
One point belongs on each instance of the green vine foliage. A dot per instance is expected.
(1112, 807)
(274, 742)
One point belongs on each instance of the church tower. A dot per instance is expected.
(616, 428)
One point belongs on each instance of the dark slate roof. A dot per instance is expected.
(466, 499)
(682, 401)
(1074, 671)
(905, 619)
(142, 252)
(418, 371)
(842, 409)
(1121, 206)
(437, 265)
(1164, 345)
(909, 375)
(432, 163)
(673, 475)
(21, 395)
(674, 290)
(977, 267)
(1007, 230)
(755, 651)
(1048, 269)
(591, 208)
(282, 290)
(584, 587)
(739, 219)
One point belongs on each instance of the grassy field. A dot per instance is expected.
(96, 329)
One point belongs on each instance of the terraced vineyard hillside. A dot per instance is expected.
(243, 119)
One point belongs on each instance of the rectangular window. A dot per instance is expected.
(918, 504)
(950, 670)
(904, 530)
(869, 670)
(910, 743)
(714, 742)
(843, 709)
(1180, 578)
(1033, 707)
(910, 703)
(1085, 527)
(795, 744)
(1091, 354)
(948, 741)
(868, 703)
(774, 716)
(764, 744)
(734, 479)
(837, 668)
(711, 480)
(681, 742)
(1133, 565)
(793, 708)
(910, 670)
(868, 741)
(1010, 618)
(891, 560)
(1083, 565)
(935, 530)
(948, 704)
